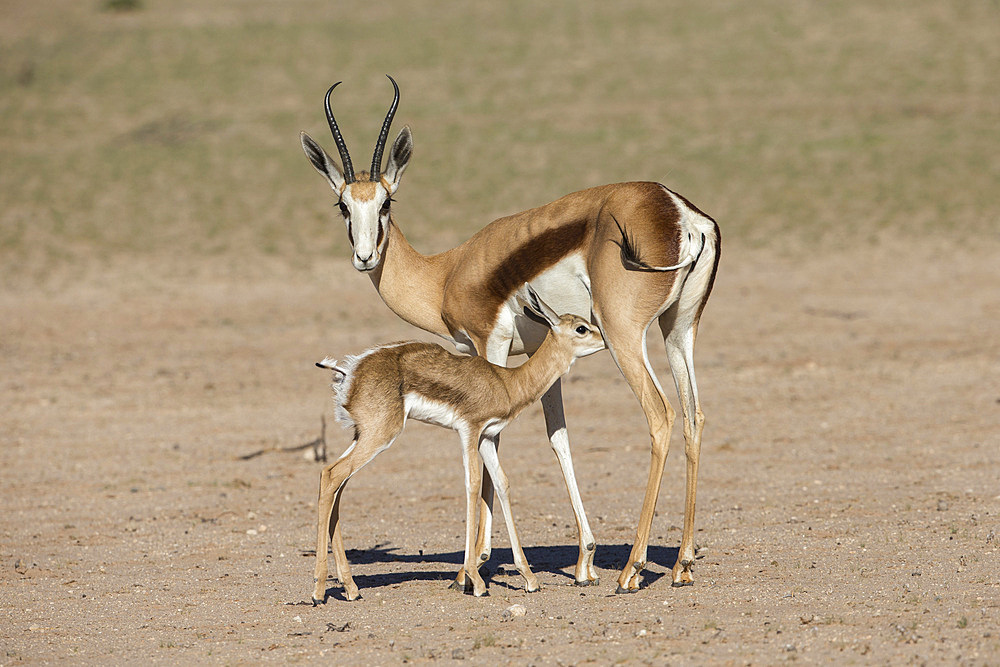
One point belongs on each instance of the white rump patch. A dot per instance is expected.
(342, 388)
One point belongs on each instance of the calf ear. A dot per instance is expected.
(534, 308)
(399, 157)
(540, 307)
(322, 162)
(535, 317)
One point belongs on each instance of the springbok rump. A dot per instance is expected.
(621, 256)
(379, 389)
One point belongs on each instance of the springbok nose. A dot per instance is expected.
(365, 260)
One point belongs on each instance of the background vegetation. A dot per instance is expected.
(169, 129)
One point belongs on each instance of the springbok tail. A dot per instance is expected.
(330, 363)
(632, 260)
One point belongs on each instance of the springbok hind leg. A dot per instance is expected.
(339, 555)
(679, 342)
(331, 481)
(630, 357)
(331, 486)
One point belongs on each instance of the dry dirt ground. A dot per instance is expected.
(847, 512)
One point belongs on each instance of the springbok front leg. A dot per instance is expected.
(679, 340)
(555, 425)
(483, 545)
(629, 354)
(502, 485)
(497, 352)
(473, 478)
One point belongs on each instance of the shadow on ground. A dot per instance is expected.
(558, 560)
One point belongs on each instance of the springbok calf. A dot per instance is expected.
(621, 256)
(377, 390)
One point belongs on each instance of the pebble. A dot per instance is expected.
(513, 611)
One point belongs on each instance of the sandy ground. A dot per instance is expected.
(847, 512)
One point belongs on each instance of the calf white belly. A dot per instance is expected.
(430, 411)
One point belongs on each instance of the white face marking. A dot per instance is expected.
(367, 222)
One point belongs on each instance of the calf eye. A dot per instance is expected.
(581, 330)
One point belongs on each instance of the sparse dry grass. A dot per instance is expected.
(171, 129)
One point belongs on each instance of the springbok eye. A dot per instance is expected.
(582, 330)
(343, 209)
(385, 207)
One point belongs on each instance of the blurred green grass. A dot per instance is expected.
(171, 129)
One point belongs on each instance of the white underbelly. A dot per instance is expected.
(565, 287)
(430, 411)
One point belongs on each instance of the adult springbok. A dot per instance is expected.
(622, 256)
(379, 389)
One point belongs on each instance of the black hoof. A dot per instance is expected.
(587, 582)
(317, 603)
(622, 591)
(681, 584)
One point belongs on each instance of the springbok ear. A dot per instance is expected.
(399, 157)
(322, 162)
(535, 308)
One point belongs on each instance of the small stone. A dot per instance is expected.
(942, 506)
(514, 611)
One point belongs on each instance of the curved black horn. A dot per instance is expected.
(377, 157)
(345, 157)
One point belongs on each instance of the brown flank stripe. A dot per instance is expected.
(529, 260)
